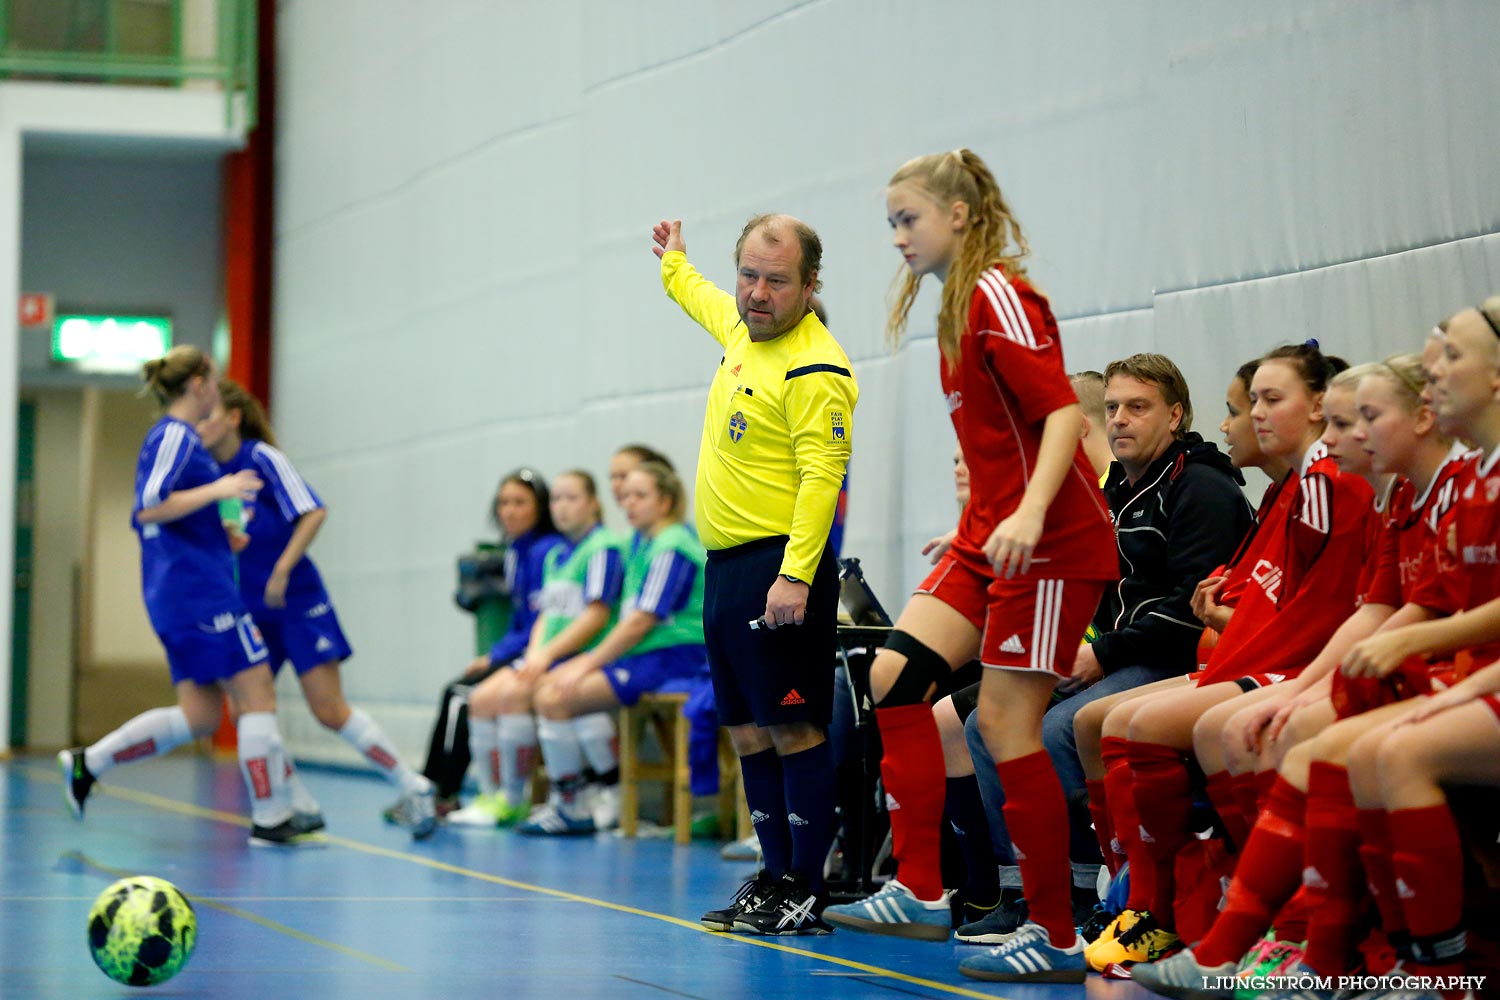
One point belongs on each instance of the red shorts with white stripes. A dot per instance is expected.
(1247, 683)
(1037, 624)
(960, 586)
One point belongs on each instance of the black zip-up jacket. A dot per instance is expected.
(1183, 519)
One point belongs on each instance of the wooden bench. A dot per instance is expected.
(661, 714)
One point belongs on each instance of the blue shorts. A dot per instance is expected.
(308, 635)
(769, 677)
(210, 652)
(633, 676)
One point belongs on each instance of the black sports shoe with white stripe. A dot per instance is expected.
(287, 833)
(746, 897)
(792, 908)
(77, 780)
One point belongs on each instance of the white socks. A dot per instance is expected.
(303, 803)
(484, 748)
(560, 749)
(518, 747)
(596, 734)
(365, 735)
(263, 765)
(146, 735)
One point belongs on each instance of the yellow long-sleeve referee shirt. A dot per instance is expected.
(777, 430)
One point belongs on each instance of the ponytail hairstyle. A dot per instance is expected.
(1405, 372)
(668, 484)
(253, 423)
(167, 377)
(992, 238)
(1315, 368)
(1350, 378)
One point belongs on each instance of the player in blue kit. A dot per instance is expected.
(285, 594)
(187, 574)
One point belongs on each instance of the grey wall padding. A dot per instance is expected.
(464, 279)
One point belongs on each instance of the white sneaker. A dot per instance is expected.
(417, 811)
(747, 849)
(604, 806)
(481, 812)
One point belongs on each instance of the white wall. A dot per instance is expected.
(464, 280)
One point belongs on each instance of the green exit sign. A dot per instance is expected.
(109, 344)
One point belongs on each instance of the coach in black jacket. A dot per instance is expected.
(1179, 513)
(1176, 522)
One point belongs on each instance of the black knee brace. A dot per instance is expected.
(924, 668)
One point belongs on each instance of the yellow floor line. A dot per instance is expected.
(254, 918)
(199, 812)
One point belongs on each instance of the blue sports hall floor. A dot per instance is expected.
(374, 915)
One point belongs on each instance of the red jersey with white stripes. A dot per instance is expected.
(1407, 574)
(1274, 504)
(1468, 549)
(1406, 569)
(1303, 583)
(1010, 376)
(1383, 563)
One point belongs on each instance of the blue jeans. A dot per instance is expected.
(1062, 747)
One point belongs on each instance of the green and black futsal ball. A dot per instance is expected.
(142, 931)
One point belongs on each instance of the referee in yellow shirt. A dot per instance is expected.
(776, 440)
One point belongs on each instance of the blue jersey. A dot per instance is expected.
(187, 570)
(524, 570)
(271, 519)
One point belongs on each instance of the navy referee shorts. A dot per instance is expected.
(763, 676)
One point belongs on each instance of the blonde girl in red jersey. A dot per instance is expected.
(1030, 558)
(1302, 585)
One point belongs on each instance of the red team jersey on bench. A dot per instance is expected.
(1468, 557)
(1303, 579)
(1405, 573)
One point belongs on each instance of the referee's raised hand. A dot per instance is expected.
(668, 236)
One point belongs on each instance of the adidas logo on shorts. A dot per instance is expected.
(1012, 645)
(891, 805)
(323, 645)
(1313, 879)
(756, 816)
(793, 698)
(795, 820)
